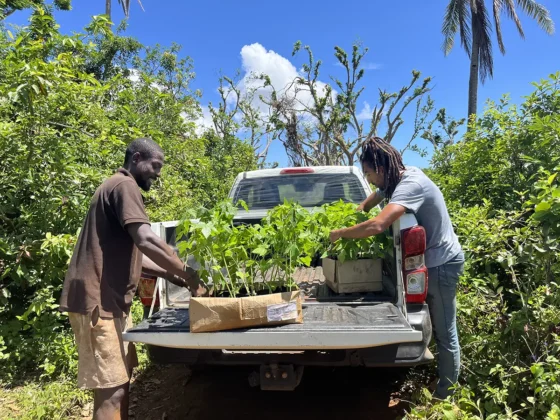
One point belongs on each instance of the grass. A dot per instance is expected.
(59, 399)
(56, 399)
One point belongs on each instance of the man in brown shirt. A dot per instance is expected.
(115, 244)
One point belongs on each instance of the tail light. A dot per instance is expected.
(415, 273)
(146, 287)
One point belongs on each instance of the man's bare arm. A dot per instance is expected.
(370, 202)
(370, 227)
(163, 256)
(151, 268)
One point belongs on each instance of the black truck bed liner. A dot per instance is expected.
(377, 317)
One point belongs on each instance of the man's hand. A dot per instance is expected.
(191, 280)
(370, 227)
(334, 236)
(182, 276)
(370, 202)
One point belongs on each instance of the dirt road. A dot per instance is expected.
(174, 392)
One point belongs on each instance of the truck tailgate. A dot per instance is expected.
(325, 326)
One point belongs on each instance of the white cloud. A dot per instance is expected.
(134, 77)
(257, 60)
(365, 113)
(204, 122)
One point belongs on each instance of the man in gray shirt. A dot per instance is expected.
(409, 190)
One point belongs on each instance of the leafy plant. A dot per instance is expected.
(264, 256)
(216, 245)
(341, 215)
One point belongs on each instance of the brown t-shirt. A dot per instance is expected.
(106, 264)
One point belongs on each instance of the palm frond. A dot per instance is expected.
(474, 5)
(483, 33)
(465, 27)
(512, 13)
(538, 12)
(457, 19)
(498, 5)
(125, 6)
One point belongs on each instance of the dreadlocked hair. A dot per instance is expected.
(377, 153)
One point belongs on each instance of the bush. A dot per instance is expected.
(502, 181)
(69, 107)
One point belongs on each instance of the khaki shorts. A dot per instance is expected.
(104, 359)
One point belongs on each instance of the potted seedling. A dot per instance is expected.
(351, 265)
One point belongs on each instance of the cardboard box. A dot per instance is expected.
(354, 276)
(218, 314)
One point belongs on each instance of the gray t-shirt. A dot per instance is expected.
(419, 195)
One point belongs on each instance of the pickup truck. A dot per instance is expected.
(387, 328)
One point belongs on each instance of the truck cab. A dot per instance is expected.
(387, 328)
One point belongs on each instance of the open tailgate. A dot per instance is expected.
(325, 326)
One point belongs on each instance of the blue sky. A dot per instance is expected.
(401, 36)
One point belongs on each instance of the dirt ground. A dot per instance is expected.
(176, 392)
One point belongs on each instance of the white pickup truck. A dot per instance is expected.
(387, 328)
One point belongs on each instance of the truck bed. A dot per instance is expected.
(325, 326)
(311, 281)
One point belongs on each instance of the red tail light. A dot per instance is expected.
(292, 171)
(146, 287)
(415, 273)
(414, 241)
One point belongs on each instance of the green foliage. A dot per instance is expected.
(7, 7)
(546, 201)
(70, 106)
(341, 215)
(137, 314)
(503, 152)
(264, 256)
(503, 182)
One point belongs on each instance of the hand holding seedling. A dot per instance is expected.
(334, 236)
(192, 281)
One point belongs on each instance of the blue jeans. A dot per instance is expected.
(442, 288)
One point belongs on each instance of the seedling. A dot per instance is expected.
(251, 259)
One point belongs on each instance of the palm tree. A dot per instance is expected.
(125, 5)
(471, 19)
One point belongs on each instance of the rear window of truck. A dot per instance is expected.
(309, 190)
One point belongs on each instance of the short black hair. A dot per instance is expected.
(143, 145)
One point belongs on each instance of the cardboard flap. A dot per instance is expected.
(211, 311)
(252, 309)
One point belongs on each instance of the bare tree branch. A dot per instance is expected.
(316, 124)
